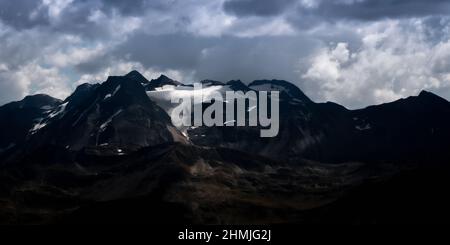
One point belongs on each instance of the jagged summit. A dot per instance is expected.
(128, 110)
(208, 82)
(286, 89)
(162, 80)
(17, 118)
(163, 77)
(123, 88)
(35, 101)
(426, 93)
(136, 76)
(116, 113)
(109, 151)
(429, 95)
(237, 85)
(81, 93)
(133, 73)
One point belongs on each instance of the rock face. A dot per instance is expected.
(331, 133)
(116, 113)
(18, 118)
(109, 153)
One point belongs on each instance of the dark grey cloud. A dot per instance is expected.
(135, 7)
(77, 18)
(340, 9)
(23, 14)
(256, 7)
(310, 15)
(74, 18)
(76, 21)
(176, 51)
(255, 58)
(436, 28)
(220, 58)
(367, 10)
(224, 40)
(127, 8)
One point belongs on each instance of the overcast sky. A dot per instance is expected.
(354, 52)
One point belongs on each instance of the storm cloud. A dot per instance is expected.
(369, 10)
(355, 52)
(366, 10)
(256, 7)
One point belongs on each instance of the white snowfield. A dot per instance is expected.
(169, 98)
(167, 92)
(163, 96)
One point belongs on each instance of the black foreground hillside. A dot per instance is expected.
(110, 154)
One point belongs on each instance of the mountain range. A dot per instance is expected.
(109, 153)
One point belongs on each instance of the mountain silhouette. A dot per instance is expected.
(109, 153)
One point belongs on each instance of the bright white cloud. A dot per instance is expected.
(55, 7)
(390, 64)
(74, 56)
(209, 20)
(32, 79)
